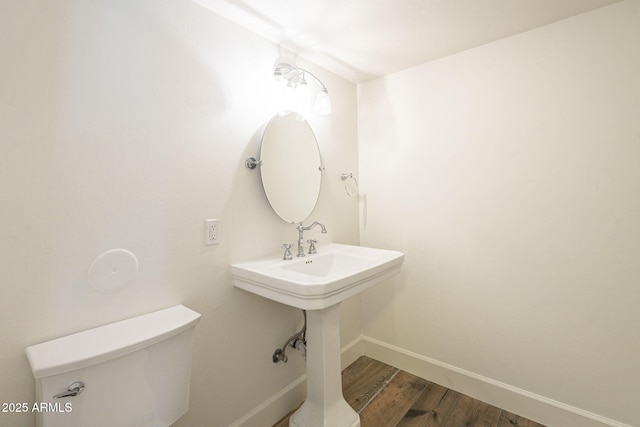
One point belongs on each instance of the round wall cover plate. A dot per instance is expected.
(113, 270)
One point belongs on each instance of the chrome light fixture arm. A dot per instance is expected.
(295, 76)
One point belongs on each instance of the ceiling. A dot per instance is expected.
(364, 39)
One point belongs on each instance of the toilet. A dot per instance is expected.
(132, 373)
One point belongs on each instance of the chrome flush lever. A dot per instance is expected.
(74, 389)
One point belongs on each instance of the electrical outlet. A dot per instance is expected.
(212, 231)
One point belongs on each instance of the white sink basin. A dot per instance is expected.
(317, 281)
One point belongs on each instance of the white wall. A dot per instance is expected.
(125, 125)
(509, 174)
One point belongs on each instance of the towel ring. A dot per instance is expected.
(347, 177)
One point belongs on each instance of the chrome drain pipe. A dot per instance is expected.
(296, 341)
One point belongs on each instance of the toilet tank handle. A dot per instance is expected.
(74, 389)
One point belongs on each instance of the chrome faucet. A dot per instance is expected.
(301, 230)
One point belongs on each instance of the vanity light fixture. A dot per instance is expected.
(297, 92)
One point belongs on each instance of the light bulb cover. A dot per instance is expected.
(323, 102)
(303, 96)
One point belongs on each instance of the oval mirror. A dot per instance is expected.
(291, 170)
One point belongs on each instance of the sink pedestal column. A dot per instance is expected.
(325, 406)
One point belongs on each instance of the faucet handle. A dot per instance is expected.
(287, 251)
(312, 246)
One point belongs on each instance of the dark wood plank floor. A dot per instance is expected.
(385, 396)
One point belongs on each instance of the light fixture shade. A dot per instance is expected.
(303, 96)
(277, 75)
(290, 98)
(323, 103)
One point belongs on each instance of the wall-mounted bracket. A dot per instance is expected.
(251, 163)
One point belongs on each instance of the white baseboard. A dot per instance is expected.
(351, 351)
(524, 403)
(274, 408)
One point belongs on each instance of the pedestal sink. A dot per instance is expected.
(318, 283)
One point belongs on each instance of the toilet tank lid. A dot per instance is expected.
(107, 342)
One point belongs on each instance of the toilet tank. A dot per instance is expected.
(135, 373)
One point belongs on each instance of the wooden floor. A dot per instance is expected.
(385, 396)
